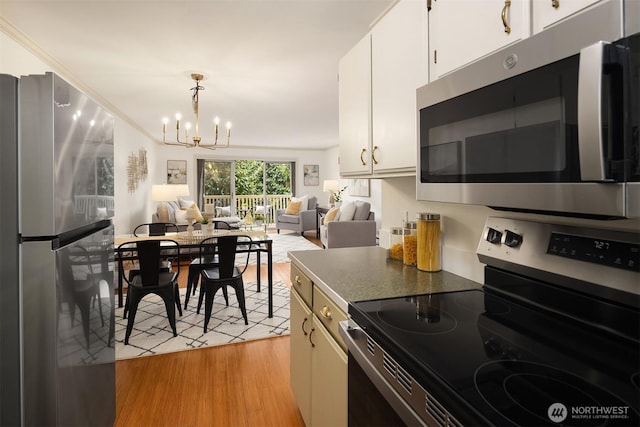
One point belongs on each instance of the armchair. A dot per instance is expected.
(300, 222)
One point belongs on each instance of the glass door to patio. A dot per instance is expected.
(241, 186)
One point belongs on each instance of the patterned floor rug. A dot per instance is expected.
(152, 334)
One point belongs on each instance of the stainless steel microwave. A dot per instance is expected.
(547, 125)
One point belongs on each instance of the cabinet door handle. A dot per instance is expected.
(362, 153)
(303, 322)
(297, 280)
(326, 312)
(310, 335)
(505, 10)
(555, 3)
(373, 155)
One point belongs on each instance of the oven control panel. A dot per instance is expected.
(609, 258)
(597, 250)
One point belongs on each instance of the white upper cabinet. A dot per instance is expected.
(547, 13)
(399, 65)
(461, 31)
(354, 109)
(377, 91)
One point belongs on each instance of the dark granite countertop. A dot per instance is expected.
(359, 274)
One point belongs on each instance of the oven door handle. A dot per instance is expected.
(351, 332)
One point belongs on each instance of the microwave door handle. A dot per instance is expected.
(590, 148)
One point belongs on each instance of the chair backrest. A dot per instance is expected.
(227, 249)
(155, 229)
(150, 254)
(221, 225)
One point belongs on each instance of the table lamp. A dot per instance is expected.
(164, 193)
(331, 186)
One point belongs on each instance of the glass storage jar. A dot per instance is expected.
(410, 244)
(428, 242)
(395, 243)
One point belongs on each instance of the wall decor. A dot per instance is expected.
(132, 173)
(176, 171)
(311, 175)
(359, 187)
(143, 168)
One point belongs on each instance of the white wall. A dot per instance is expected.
(462, 225)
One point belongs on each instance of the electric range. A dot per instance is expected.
(552, 338)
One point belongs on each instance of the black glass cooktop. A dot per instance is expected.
(513, 363)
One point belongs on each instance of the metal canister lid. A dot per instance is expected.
(411, 225)
(425, 216)
(396, 231)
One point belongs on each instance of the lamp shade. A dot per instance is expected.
(168, 192)
(330, 185)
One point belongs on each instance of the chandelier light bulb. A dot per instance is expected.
(178, 116)
(216, 120)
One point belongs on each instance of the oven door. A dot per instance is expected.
(372, 399)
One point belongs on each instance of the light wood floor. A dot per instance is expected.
(245, 384)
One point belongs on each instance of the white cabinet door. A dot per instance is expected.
(547, 13)
(329, 379)
(399, 65)
(354, 89)
(461, 31)
(301, 355)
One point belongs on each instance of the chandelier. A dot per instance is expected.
(196, 139)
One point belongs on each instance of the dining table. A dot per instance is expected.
(190, 242)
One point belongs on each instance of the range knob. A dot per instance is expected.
(511, 239)
(492, 235)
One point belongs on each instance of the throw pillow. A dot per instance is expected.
(181, 216)
(362, 210)
(293, 208)
(331, 215)
(163, 212)
(185, 203)
(347, 211)
(305, 202)
(197, 212)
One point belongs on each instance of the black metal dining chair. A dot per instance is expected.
(155, 229)
(152, 278)
(226, 273)
(206, 258)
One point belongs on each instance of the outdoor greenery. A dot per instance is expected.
(248, 175)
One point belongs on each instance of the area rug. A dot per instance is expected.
(283, 243)
(152, 334)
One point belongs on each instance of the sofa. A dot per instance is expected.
(177, 214)
(351, 225)
(303, 220)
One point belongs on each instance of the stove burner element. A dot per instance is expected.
(523, 392)
(421, 314)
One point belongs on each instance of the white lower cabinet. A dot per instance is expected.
(318, 368)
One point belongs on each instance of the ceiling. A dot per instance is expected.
(271, 66)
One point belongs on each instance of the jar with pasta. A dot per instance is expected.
(410, 244)
(395, 243)
(428, 250)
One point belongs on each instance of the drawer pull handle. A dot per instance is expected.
(310, 335)
(555, 3)
(505, 9)
(326, 312)
(297, 280)
(303, 323)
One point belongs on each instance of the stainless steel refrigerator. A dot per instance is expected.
(57, 352)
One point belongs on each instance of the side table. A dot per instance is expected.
(320, 213)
